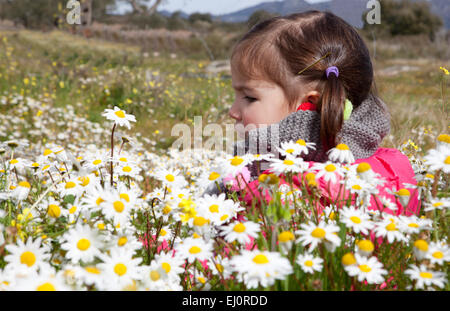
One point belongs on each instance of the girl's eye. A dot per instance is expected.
(250, 99)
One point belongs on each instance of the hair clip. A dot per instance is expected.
(323, 57)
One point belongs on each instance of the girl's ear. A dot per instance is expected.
(313, 97)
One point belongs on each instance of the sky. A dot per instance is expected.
(215, 7)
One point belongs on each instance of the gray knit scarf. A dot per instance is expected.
(363, 132)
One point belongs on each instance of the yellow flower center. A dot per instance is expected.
(438, 255)
(426, 275)
(122, 241)
(127, 169)
(170, 178)
(97, 162)
(301, 142)
(421, 245)
(308, 263)
(120, 269)
(357, 187)
(342, 147)
(70, 185)
(366, 246)
(239, 228)
(447, 160)
(363, 167)
(260, 259)
(27, 258)
(25, 184)
(166, 267)
(444, 138)
(200, 221)
(318, 233)
(154, 275)
(14, 161)
(166, 209)
(285, 236)
(391, 227)
(84, 180)
(46, 287)
(437, 204)
(348, 259)
(236, 161)
(413, 225)
(120, 114)
(355, 219)
(213, 176)
(83, 244)
(92, 270)
(119, 206)
(123, 160)
(195, 250)
(288, 162)
(224, 217)
(365, 268)
(403, 192)
(330, 168)
(125, 196)
(290, 150)
(214, 208)
(54, 210)
(99, 201)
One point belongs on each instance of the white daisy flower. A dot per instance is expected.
(45, 280)
(119, 116)
(233, 165)
(328, 170)
(29, 256)
(438, 159)
(356, 219)
(425, 277)
(81, 243)
(240, 231)
(172, 264)
(312, 234)
(309, 263)
(260, 268)
(437, 204)
(171, 179)
(340, 154)
(21, 191)
(286, 240)
(365, 247)
(290, 149)
(420, 249)
(120, 268)
(389, 228)
(217, 208)
(304, 146)
(369, 269)
(288, 165)
(90, 275)
(192, 249)
(413, 224)
(438, 253)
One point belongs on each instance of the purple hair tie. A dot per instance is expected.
(332, 69)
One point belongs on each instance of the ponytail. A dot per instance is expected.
(331, 110)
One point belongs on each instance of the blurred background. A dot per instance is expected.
(166, 61)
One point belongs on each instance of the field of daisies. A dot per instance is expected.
(92, 199)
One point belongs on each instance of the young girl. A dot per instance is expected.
(308, 77)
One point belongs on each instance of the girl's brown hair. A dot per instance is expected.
(279, 48)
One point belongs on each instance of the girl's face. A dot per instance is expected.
(258, 103)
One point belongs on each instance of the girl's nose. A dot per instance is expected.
(234, 112)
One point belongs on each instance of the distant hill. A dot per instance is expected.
(349, 10)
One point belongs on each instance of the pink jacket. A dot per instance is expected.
(390, 163)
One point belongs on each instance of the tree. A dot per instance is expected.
(406, 17)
